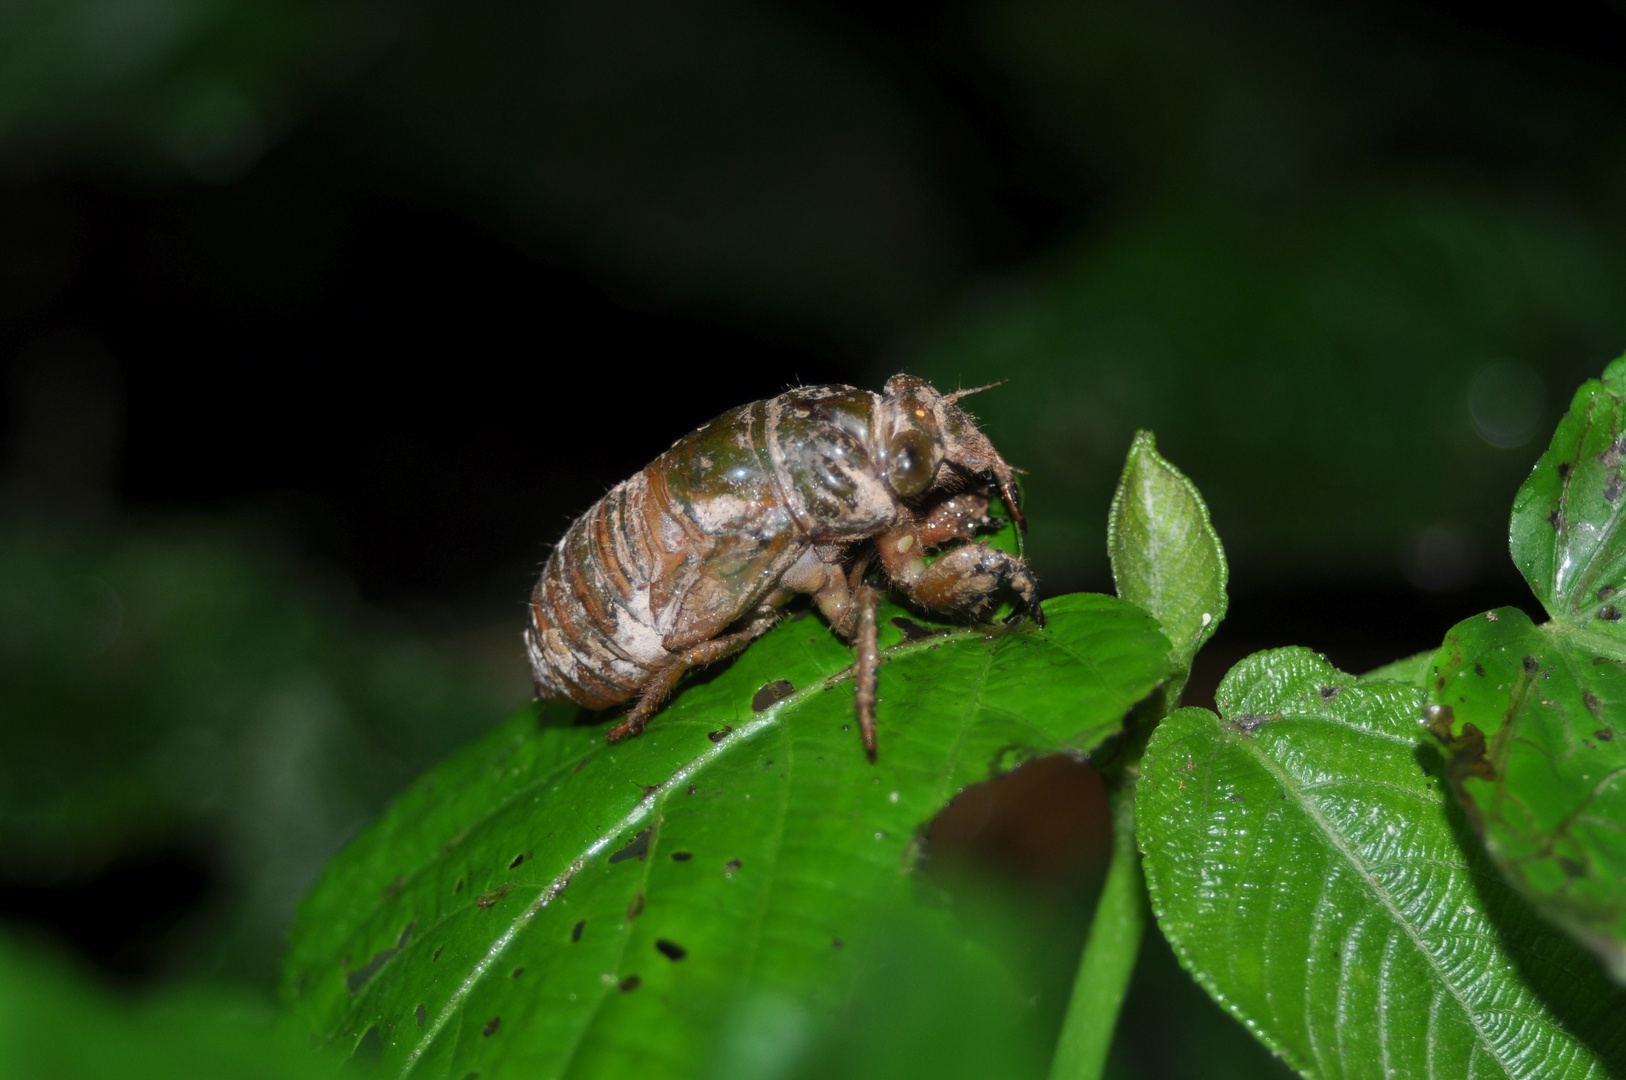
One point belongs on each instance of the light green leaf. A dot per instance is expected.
(1166, 556)
(1534, 718)
(1309, 870)
(546, 905)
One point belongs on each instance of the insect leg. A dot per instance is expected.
(967, 580)
(866, 674)
(707, 652)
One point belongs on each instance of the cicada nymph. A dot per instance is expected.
(694, 557)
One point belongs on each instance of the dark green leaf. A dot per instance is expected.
(1310, 872)
(1566, 532)
(54, 1026)
(1166, 557)
(516, 912)
(1534, 718)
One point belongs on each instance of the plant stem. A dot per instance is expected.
(1109, 953)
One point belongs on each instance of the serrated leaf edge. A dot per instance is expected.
(1271, 767)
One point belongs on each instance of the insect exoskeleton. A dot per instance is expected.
(691, 559)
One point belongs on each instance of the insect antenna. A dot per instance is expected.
(958, 394)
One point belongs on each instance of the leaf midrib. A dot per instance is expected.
(769, 716)
(1337, 842)
(634, 817)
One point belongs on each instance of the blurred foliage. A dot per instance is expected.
(197, 88)
(1334, 249)
(54, 1024)
(1301, 373)
(176, 685)
(1310, 245)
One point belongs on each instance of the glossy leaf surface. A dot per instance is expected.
(1566, 532)
(1310, 871)
(546, 905)
(1534, 719)
(1166, 556)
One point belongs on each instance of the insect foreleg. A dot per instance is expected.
(966, 580)
(707, 652)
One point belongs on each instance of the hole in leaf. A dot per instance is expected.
(517, 860)
(631, 982)
(1044, 821)
(771, 694)
(671, 949)
(682, 856)
(637, 849)
(576, 931)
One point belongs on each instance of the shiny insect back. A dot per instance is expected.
(691, 559)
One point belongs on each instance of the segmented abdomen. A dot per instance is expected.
(664, 561)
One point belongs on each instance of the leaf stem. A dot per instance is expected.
(1109, 954)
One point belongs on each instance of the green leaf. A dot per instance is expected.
(1566, 531)
(1166, 556)
(544, 904)
(1309, 870)
(1534, 718)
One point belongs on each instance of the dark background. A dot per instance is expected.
(318, 322)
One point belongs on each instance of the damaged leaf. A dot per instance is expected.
(1528, 715)
(1310, 871)
(788, 839)
(1533, 719)
(1566, 533)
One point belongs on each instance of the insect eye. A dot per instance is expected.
(911, 466)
